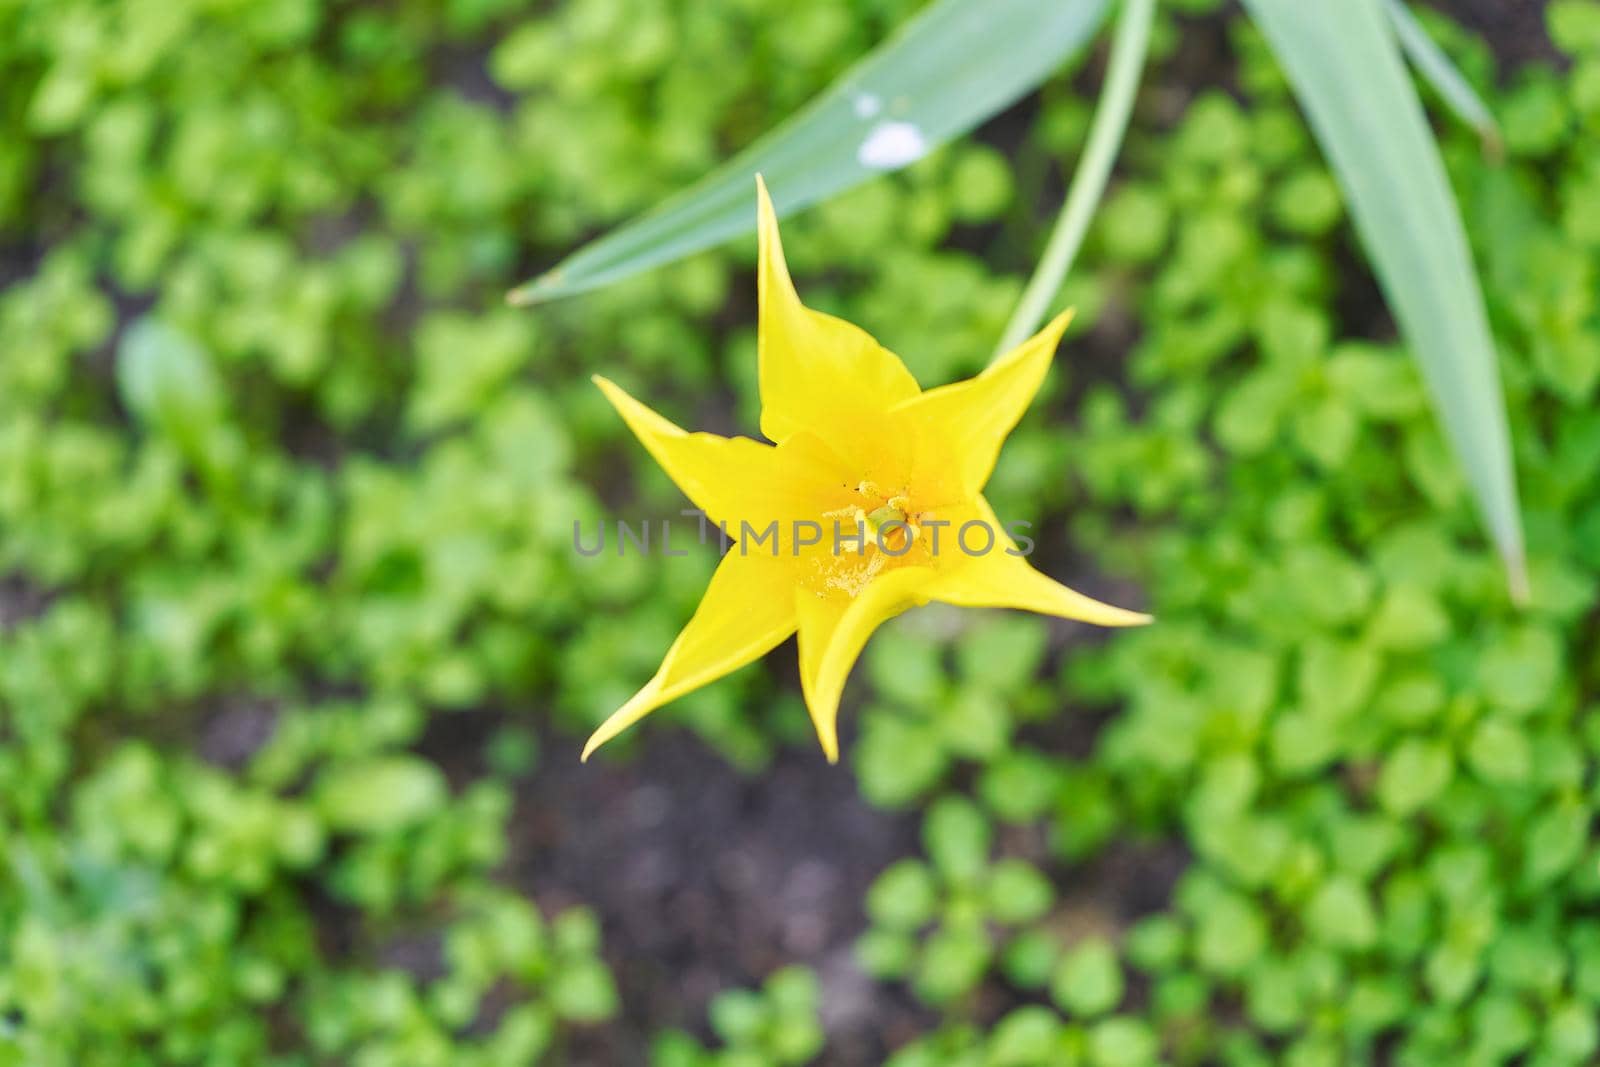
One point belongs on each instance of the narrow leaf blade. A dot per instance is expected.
(1345, 67)
(1451, 85)
(949, 68)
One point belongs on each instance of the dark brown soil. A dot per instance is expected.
(21, 600)
(707, 879)
(1513, 28)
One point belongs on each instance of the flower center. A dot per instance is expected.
(891, 526)
(877, 531)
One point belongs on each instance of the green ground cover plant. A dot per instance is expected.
(290, 621)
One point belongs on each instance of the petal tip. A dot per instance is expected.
(613, 392)
(827, 731)
(764, 209)
(1056, 327)
(1120, 617)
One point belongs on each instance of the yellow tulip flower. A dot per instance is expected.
(868, 503)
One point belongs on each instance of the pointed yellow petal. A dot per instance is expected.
(833, 630)
(1001, 581)
(817, 372)
(736, 479)
(748, 610)
(717, 473)
(972, 418)
(997, 579)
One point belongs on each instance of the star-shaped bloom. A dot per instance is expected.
(869, 502)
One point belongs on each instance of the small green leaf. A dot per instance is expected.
(953, 962)
(1341, 915)
(1413, 776)
(1088, 981)
(1501, 1026)
(1535, 116)
(1018, 893)
(583, 991)
(1572, 1032)
(1499, 752)
(1156, 943)
(1231, 934)
(903, 897)
(1574, 25)
(1528, 959)
(905, 667)
(1123, 1042)
(167, 381)
(1520, 669)
(898, 760)
(792, 990)
(1134, 224)
(379, 794)
(1028, 1037)
(1451, 971)
(1331, 586)
(738, 1016)
(1020, 784)
(1030, 958)
(1554, 843)
(1408, 617)
(1307, 202)
(974, 723)
(1302, 743)
(885, 953)
(1003, 652)
(1336, 677)
(956, 836)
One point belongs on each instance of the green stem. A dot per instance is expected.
(1128, 49)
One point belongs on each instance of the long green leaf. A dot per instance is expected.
(1342, 59)
(949, 68)
(1451, 85)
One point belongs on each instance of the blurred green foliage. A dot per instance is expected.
(282, 484)
(775, 1026)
